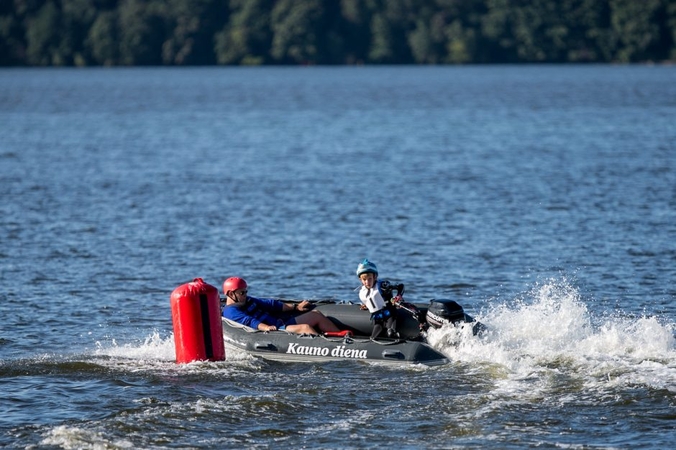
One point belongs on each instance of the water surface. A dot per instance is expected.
(542, 198)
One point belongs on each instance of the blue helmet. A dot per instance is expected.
(366, 266)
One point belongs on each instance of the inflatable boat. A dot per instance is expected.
(355, 342)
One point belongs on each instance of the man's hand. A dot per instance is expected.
(304, 305)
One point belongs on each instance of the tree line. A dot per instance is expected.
(276, 32)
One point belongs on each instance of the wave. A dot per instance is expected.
(153, 354)
(549, 331)
(546, 330)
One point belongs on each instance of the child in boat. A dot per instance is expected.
(378, 297)
(266, 314)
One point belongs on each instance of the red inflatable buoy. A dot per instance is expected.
(196, 314)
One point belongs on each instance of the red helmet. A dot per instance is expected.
(234, 284)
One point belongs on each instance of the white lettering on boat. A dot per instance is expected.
(337, 352)
(296, 349)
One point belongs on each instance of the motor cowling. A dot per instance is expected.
(442, 311)
(196, 316)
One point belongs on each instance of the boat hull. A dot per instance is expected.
(290, 347)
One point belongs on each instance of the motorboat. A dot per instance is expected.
(354, 342)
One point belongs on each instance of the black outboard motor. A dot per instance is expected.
(442, 311)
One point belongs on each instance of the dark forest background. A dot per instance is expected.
(258, 32)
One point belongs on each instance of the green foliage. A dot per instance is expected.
(11, 46)
(634, 26)
(354, 27)
(381, 50)
(295, 31)
(102, 39)
(246, 37)
(191, 28)
(255, 32)
(141, 32)
(42, 37)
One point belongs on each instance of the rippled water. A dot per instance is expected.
(542, 198)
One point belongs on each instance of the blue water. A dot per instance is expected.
(542, 198)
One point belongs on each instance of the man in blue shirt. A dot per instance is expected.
(268, 314)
